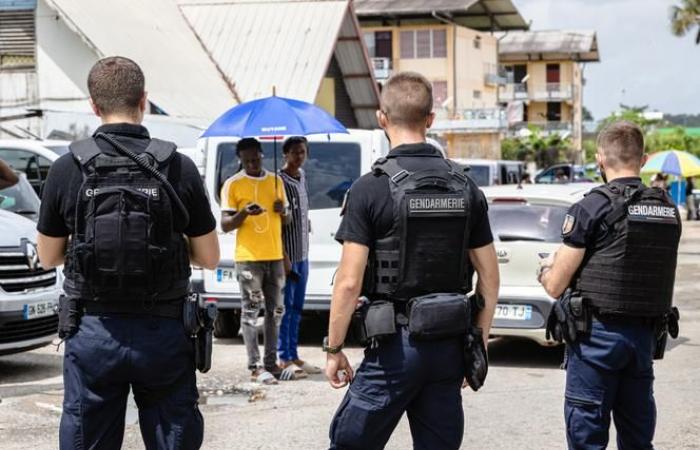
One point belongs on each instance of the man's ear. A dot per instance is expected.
(429, 120)
(382, 119)
(94, 108)
(143, 102)
(645, 158)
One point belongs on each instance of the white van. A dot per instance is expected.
(335, 161)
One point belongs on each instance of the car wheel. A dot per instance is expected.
(227, 323)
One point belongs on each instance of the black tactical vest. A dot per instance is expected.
(426, 250)
(124, 245)
(632, 271)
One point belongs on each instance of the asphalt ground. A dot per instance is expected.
(520, 407)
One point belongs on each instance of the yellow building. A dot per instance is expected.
(451, 47)
(544, 70)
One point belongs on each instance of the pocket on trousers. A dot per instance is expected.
(353, 425)
(584, 411)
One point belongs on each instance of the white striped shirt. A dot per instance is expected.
(295, 234)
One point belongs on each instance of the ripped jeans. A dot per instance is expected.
(262, 285)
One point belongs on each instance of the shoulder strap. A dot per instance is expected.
(391, 168)
(160, 150)
(620, 202)
(85, 150)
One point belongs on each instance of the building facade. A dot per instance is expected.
(545, 82)
(451, 48)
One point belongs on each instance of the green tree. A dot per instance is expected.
(678, 139)
(544, 150)
(633, 114)
(685, 18)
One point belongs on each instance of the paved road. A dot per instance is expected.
(519, 408)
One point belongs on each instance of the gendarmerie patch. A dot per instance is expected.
(568, 225)
(153, 191)
(641, 212)
(436, 203)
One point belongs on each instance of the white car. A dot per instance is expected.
(526, 223)
(32, 157)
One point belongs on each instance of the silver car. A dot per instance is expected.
(28, 292)
(526, 222)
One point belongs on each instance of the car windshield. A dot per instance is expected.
(20, 198)
(331, 168)
(480, 175)
(58, 149)
(525, 222)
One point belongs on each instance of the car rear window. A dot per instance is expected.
(480, 175)
(331, 168)
(525, 222)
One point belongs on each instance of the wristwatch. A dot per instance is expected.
(331, 350)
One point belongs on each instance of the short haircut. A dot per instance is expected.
(622, 143)
(116, 85)
(292, 141)
(407, 99)
(248, 144)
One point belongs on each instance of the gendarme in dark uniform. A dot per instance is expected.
(400, 373)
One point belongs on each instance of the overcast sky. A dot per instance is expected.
(642, 63)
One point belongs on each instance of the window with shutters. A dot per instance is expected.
(424, 44)
(439, 93)
(17, 39)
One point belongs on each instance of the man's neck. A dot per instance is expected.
(399, 137)
(118, 118)
(615, 175)
(290, 170)
(256, 175)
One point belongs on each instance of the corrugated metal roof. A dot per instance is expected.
(580, 45)
(476, 14)
(288, 45)
(180, 78)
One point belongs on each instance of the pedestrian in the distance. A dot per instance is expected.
(690, 199)
(295, 236)
(127, 244)
(618, 258)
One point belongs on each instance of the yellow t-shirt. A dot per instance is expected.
(259, 238)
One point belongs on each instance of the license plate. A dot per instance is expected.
(36, 310)
(226, 275)
(513, 312)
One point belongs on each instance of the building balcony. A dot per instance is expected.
(494, 75)
(544, 92)
(382, 68)
(545, 128)
(485, 120)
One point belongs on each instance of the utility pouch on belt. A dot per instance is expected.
(380, 319)
(68, 316)
(438, 316)
(476, 361)
(199, 325)
(581, 313)
(668, 325)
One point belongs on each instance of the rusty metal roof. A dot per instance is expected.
(578, 45)
(288, 45)
(484, 15)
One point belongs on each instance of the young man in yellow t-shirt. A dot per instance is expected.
(251, 205)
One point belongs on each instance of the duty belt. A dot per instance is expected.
(170, 310)
(624, 320)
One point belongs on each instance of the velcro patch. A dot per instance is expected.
(652, 213)
(568, 225)
(151, 190)
(438, 203)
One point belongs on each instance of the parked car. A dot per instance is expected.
(526, 222)
(334, 163)
(32, 157)
(28, 293)
(563, 173)
(488, 172)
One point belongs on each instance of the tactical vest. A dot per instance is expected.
(124, 245)
(426, 250)
(632, 270)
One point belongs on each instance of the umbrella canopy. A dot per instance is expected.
(673, 162)
(274, 116)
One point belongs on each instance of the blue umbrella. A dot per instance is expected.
(274, 117)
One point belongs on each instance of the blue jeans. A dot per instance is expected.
(611, 371)
(108, 355)
(294, 294)
(421, 378)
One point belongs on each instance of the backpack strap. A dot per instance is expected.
(391, 168)
(161, 151)
(85, 151)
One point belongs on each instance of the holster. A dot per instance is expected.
(379, 320)
(668, 326)
(581, 313)
(476, 362)
(199, 325)
(438, 316)
(69, 314)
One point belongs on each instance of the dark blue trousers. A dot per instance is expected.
(611, 371)
(294, 295)
(421, 378)
(108, 355)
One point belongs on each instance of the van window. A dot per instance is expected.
(331, 168)
(525, 222)
(480, 175)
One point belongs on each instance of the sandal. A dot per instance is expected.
(298, 371)
(307, 368)
(263, 377)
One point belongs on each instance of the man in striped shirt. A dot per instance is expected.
(295, 237)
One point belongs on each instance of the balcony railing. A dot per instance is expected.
(543, 92)
(494, 75)
(382, 68)
(545, 127)
(513, 91)
(470, 120)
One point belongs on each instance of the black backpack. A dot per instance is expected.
(124, 246)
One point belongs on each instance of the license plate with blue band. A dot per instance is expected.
(36, 310)
(513, 312)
